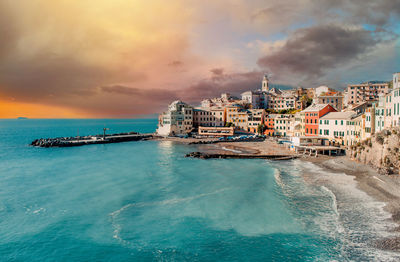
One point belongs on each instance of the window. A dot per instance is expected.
(335, 122)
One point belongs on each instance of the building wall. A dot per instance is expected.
(312, 120)
(353, 131)
(365, 92)
(333, 129)
(177, 120)
(269, 126)
(208, 117)
(335, 101)
(396, 100)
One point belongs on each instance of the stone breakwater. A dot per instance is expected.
(90, 140)
(203, 155)
(255, 139)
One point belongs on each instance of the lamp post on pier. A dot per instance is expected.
(104, 132)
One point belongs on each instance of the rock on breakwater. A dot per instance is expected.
(90, 140)
(202, 155)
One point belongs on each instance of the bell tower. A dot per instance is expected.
(265, 84)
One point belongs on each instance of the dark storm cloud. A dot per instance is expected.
(379, 13)
(213, 86)
(311, 51)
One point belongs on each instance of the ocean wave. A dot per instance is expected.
(361, 219)
(114, 215)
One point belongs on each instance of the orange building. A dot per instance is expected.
(312, 115)
(269, 125)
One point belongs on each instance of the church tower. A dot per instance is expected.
(265, 84)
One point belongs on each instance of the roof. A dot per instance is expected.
(338, 115)
(315, 108)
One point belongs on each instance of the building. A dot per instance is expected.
(354, 130)
(255, 118)
(282, 125)
(334, 126)
(178, 120)
(380, 114)
(312, 115)
(211, 117)
(322, 89)
(369, 125)
(269, 123)
(265, 84)
(258, 99)
(285, 100)
(396, 100)
(237, 116)
(367, 91)
(388, 109)
(216, 131)
(332, 98)
(308, 141)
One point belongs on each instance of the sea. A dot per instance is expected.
(144, 201)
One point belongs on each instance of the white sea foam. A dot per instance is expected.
(361, 219)
(114, 215)
(231, 150)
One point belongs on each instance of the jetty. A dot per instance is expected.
(90, 140)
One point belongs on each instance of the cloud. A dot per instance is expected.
(310, 52)
(161, 95)
(176, 63)
(213, 86)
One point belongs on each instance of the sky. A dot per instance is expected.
(129, 58)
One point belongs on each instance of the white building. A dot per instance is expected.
(178, 120)
(258, 99)
(334, 125)
(396, 100)
(321, 89)
(283, 124)
(380, 114)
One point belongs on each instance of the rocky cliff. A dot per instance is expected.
(381, 151)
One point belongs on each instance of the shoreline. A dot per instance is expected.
(383, 188)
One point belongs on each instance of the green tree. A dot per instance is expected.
(260, 129)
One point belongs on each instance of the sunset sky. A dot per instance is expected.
(123, 58)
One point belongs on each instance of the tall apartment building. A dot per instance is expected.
(368, 91)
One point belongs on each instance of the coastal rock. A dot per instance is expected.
(381, 151)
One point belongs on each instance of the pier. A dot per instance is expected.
(90, 140)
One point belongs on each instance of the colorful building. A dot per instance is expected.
(312, 115)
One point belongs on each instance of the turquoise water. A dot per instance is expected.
(143, 201)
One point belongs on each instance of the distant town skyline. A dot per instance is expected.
(78, 59)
